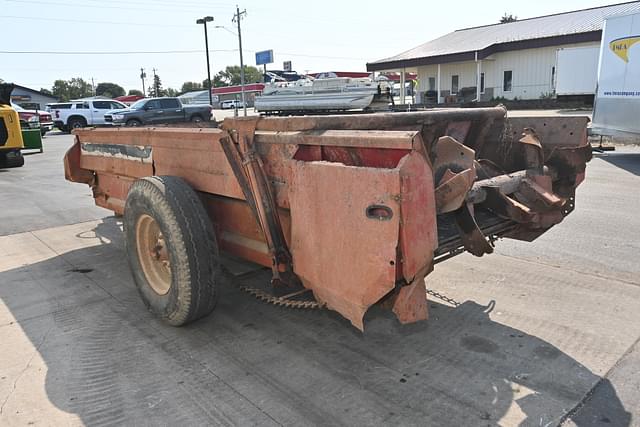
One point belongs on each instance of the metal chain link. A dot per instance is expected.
(441, 297)
(280, 301)
(310, 305)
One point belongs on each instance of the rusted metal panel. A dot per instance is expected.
(360, 200)
(418, 234)
(380, 121)
(345, 257)
(237, 230)
(458, 130)
(553, 131)
(277, 166)
(341, 138)
(201, 162)
(111, 191)
(146, 135)
(454, 171)
(258, 192)
(409, 303)
(72, 170)
(128, 160)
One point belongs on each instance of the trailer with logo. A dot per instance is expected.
(617, 103)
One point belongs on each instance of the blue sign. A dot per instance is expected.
(264, 57)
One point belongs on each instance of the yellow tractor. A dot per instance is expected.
(10, 132)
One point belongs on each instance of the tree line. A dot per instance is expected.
(77, 87)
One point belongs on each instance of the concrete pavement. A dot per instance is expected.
(535, 334)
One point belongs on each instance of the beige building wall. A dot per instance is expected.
(532, 73)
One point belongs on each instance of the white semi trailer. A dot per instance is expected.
(617, 104)
(577, 71)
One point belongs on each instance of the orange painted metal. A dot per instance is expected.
(409, 304)
(111, 191)
(454, 169)
(365, 205)
(72, 170)
(418, 234)
(346, 258)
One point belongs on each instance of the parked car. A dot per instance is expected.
(34, 119)
(158, 110)
(231, 103)
(82, 112)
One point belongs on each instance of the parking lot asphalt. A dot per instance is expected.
(541, 333)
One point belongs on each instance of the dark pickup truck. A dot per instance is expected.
(151, 111)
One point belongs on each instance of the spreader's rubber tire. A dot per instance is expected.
(172, 249)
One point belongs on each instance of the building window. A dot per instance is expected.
(481, 82)
(432, 83)
(454, 85)
(507, 82)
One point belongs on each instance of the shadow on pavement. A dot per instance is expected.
(627, 161)
(111, 363)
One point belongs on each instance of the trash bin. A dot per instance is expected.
(32, 139)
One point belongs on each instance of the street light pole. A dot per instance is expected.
(236, 18)
(206, 45)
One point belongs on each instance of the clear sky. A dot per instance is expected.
(320, 35)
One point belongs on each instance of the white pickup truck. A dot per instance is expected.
(81, 112)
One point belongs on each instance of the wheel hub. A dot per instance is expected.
(153, 254)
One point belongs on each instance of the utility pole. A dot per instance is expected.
(93, 87)
(237, 18)
(204, 21)
(143, 75)
(155, 83)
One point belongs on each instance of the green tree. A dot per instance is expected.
(191, 86)
(156, 90)
(71, 89)
(110, 90)
(217, 82)
(508, 18)
(230, 76)
(170, 92)
(135, 92)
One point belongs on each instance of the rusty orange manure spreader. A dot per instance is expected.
(349, 210)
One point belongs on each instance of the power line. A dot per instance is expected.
(152, 52)
(91, 6)
(78, 21)
(139, 52)
(172, 4)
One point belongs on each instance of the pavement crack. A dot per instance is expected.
(15, 382)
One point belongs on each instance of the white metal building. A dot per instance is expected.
(511, 60)
(31, 98)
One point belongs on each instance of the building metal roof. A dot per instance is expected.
(461, 45)
(37, 92)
